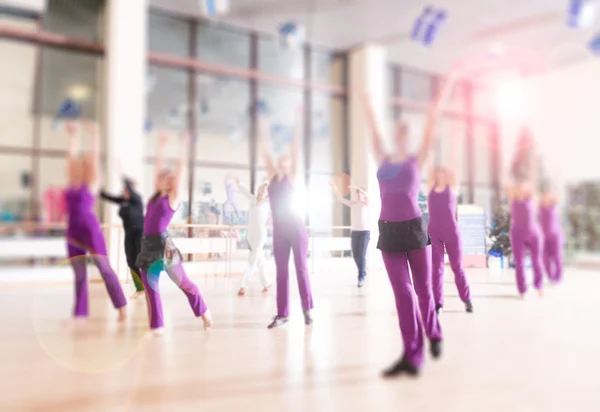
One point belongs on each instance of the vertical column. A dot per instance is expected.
(367, 74)
(470, 147)
(125, 104)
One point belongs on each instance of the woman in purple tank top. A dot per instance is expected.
(443, 229)
(84, 234)
(289, 230)
(553, 236)
(525, 234)
(158, 250)
(404, 241)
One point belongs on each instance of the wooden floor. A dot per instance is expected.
(509, 356)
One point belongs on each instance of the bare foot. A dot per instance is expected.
(137, 295)
(266, 288)
(157, 332)
(241, 292)
(74, 321)
(541, 293)
(207, 319)
(122, 314)
(522, 296)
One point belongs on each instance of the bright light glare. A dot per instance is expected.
(79, 92)
(510, 98)
(587, 16)
(300, 200)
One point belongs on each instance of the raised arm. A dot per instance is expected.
(178, 172)
(94, 180)
(243, 190)
(376, 139)
(364, 193)
(454, 163)
(339, 197)
(160, 159)
(72, 177)
(265, 146)
(295, 152)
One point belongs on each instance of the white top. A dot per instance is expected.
(359, 214)
(258, 216)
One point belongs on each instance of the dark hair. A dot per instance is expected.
(154, 197)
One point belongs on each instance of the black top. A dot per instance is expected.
(131, 211)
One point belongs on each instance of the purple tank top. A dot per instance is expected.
(523, 215)
(80, 207)
(281, 198)
(399, 189)
(442, 211)
(549, 219)
(158, 216)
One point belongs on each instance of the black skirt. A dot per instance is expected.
(158, 249)
(403, 236)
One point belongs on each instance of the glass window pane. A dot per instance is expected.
(282, 104)
(16, 21)
(327, 133)
(67, 75)
(219, 45)
(167, 108)
(274, 59)
(415, 124)
(17, 83)
(223, 114)
(168, 35)
(415, 86)
(15, 191)
(321, 204)
(450, 145)
(328, 67)
(75, 19)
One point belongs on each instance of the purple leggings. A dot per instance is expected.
(553, 259)
(79, 243)
(413, 319)
(522, 240)
(288, 237)
(453, 246)
(177, 274)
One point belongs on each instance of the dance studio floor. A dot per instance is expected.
(509, 356)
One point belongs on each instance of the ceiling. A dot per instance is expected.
(533, 29)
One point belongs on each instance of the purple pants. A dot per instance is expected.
(553, 259)
(522, 240)
(453, 247)
(81, 241)
(177, 274)
(288, 237)
(413, 319)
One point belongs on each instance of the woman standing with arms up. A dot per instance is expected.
(553, 236)
(525, 234)
(403, 241)
(258, 216)
(361, 235)
(84, 234)
(443, 229)
(289, 231)
(131, 211)
(158, 250)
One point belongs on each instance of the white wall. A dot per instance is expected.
(564, 116)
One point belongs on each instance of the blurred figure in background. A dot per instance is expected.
(525, 234)
(552, 231)
(403, 241)
(159, 252)
(84, 234)
(444, 232)
(131, 211)
(361, 235)
(258, 217)
(289, 231)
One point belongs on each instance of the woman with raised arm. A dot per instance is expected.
(289, 230)
(553, 235)
(84, 234)
(525, 233)
(158, 250)
(403, 241)
(131, 211)
(361, 235)
(443, 229)
(258, 216)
